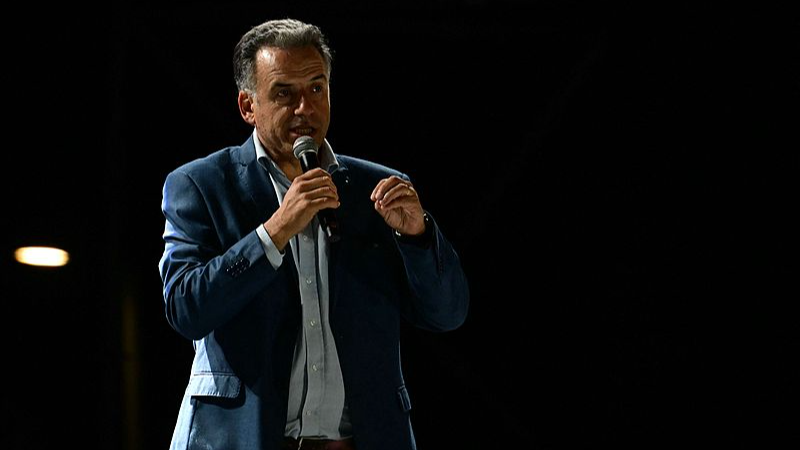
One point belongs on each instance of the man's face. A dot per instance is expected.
(292, 97)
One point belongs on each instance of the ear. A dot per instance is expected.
(246, 108)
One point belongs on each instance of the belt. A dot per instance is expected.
(318, 444)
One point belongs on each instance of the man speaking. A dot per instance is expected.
(292, 279)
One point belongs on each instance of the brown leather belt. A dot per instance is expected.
(317, 444)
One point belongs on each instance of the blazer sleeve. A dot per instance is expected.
(439, 288)
(204, 284)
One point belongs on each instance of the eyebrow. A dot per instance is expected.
(283, 85)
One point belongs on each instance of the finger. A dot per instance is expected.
(312, 174)
(399, 191)
(378, 191)
(323, 191)
(308, 194)
(384, 186)
(309, 181)
(407, 204)
(325, 202)
(319, 199)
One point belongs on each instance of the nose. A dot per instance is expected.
(304, 106)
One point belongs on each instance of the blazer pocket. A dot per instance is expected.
(405, 400)
(210, 384)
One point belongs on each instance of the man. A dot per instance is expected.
(296, 334)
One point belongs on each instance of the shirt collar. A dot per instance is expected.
(327, 159)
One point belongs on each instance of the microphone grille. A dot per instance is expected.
(304, 144)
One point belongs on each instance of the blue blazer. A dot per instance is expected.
(243, 316)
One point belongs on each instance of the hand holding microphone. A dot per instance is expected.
(305, 150)
(311, 193)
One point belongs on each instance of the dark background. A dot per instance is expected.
(620, 182)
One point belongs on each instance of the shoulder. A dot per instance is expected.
(209, 165)
(217, 165)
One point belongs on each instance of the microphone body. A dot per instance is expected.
(305, 150)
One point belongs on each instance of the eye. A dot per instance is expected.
(283, 93)
(317, 88)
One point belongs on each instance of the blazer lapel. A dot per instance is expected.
(257, 192)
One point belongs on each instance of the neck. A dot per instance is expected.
(291, 169)
(289, 165)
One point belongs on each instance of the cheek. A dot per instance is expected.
(270, 119)
(325, 105)
(273, 126)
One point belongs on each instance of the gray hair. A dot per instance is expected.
(282, 33)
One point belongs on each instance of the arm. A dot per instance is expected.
(205, 285)
(439, 286)
(440, 294)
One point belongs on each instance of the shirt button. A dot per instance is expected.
(305, 238)
(308, 280)
(308, 413)
(314, 367)
(312, 322)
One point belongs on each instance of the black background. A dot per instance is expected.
(620, 182)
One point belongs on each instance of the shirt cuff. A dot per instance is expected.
(274, 255)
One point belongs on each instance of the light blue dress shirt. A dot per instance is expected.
(317, 406)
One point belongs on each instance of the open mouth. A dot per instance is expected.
(302, 131)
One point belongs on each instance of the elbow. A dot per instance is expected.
(444, 324)
(457, 318)
(185, 319)
(451, 317)
(457, 313)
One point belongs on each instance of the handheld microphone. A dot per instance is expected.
(305, 149)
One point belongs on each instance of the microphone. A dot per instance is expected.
(305, 149)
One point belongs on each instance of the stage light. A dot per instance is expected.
(42, 256)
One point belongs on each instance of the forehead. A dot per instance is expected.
(273, 64)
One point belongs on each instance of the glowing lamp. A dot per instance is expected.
(41, 256)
